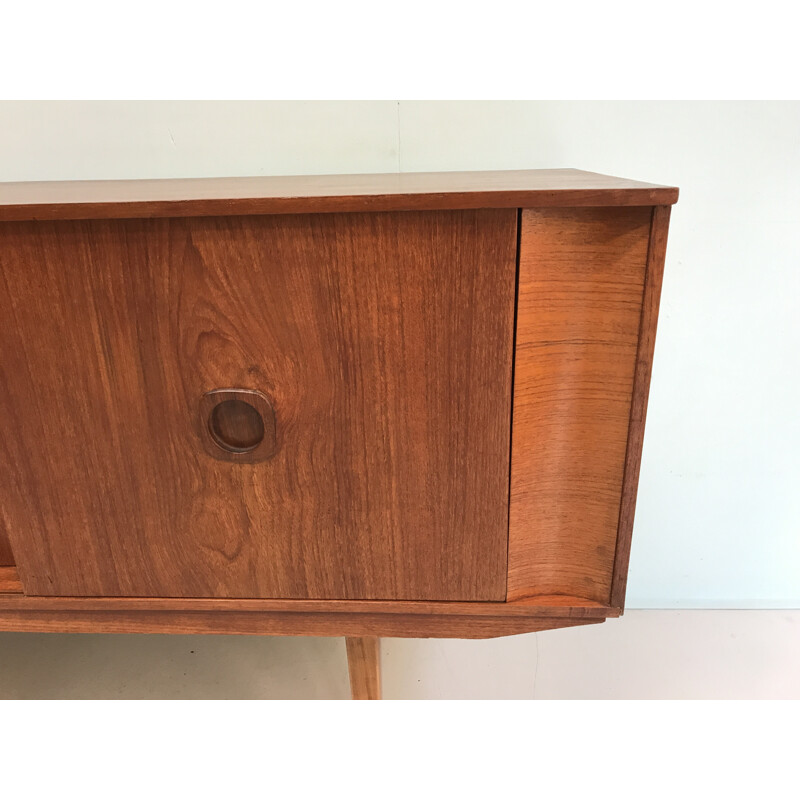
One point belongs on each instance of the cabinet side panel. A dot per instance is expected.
(641, 387)
(581, 281)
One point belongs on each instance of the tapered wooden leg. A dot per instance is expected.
(364, 661)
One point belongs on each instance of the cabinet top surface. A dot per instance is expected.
(297, 194)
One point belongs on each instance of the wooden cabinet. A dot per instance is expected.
(398, 405)
(382, 344)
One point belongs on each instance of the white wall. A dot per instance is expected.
(718, 522)
(645, 655)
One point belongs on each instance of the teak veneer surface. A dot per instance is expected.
(581, 279)
(537, 607)
(402, 191)
(296, 617)
(324, 623)
(384, 343)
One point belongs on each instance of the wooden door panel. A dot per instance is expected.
(581, 281)
(383, 343)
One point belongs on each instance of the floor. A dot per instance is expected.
(646, 654)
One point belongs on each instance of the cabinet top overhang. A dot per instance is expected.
(302, 194)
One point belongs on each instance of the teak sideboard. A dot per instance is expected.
(360, 406)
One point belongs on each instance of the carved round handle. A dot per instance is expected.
(237, 425)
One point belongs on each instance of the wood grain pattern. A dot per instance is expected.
(324, 193)
(581, 278)
(9, 581)
(297, 617)
(383, 342)
(279, 623)
(6, 556)
(641, 387)
(555, 607)
(364, 665)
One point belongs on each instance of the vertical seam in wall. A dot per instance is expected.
(511, 410)
(399, 162)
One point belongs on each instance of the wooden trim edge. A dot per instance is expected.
(240, 206)
(296, 617)
(279, 623)
(9, 581)
(654, 274)
(552, 607)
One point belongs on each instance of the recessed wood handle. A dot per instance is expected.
(237, 425)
